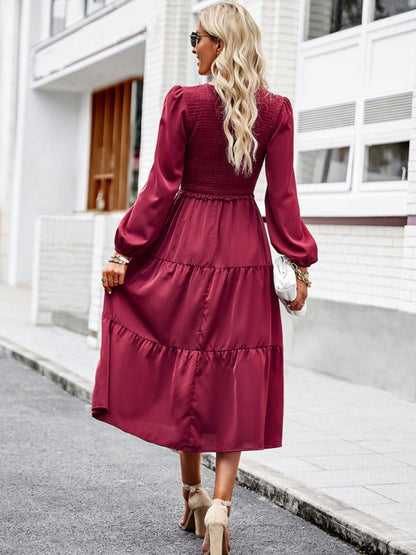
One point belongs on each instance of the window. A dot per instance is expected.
(115, 146)
(92, 6)
(136, 122)
(81, 8)
(329, 16)
(387, 8)
(386, 162)
(328, 165)
(58, 16)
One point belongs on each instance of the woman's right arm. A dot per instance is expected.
(141, 224)
(288, 233)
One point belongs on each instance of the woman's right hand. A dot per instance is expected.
(301, 293)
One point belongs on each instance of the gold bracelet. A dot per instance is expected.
(116, 260)
(121, 257)
(303, 276)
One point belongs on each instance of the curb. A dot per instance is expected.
(359, 529)
(70, 382)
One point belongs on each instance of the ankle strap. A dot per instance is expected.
(223, 502)
(194, 486)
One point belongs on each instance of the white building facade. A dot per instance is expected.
(355, 99)
(81, 89)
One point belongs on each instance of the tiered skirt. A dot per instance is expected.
(191, 344)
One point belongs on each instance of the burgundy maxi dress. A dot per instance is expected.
(191, 355)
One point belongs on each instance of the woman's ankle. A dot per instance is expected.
(224, 499)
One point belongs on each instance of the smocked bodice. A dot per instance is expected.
(206, 167)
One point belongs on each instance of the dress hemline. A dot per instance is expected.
(181, 447)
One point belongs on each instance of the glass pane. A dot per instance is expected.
(328, 165)
(329, 16)
(136, 123)
(92, 6)
(58, 16)
(387, 8)
(386, 162)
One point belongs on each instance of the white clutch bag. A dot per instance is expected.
(285, 285)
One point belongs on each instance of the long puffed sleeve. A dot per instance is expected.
(288, 234)
(141, 224)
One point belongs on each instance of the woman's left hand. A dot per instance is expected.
(113, 274)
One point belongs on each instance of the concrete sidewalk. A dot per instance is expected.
(348, 463)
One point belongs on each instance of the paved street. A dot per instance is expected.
(71, 484)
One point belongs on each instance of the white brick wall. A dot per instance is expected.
(367, 265)
(167, 27)
(62, 266)
(408, 286)
(279, 25)
(103, 246)
(70, 253)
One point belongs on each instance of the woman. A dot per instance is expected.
(191, 353)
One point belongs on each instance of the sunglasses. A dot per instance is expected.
(195, 38)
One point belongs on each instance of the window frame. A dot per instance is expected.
(86, 14)
(104, 5)
(387, 186)
(373, 9)
(110, 170)
(327, 187)
(367, 21)
(51, 34)
(307, 10)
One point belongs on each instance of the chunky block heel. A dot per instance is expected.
(198, 502)
(216, 539)
(216, 520)
(200, 528)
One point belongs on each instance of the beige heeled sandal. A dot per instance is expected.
(216, 520)
(198, 502)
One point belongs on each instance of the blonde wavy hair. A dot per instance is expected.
(238, 72)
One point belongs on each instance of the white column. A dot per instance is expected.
(9, 63)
